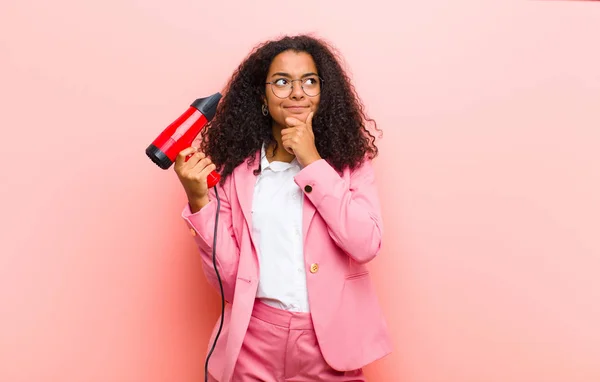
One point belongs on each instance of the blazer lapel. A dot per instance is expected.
(244, 180)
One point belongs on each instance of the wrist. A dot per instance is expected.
(311, 160)
(196, 204)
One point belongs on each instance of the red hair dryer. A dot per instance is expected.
(181, 133)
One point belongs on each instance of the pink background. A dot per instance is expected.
(489, 174)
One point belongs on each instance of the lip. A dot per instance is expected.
(296, 109)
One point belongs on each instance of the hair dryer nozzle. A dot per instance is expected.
(207, 105)
(158, 157)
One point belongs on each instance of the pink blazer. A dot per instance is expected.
(342, 231)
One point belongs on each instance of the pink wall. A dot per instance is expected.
(488, 174)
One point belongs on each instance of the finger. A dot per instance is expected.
(287, 132)
(289, 149)
(291, 122)
(198, 154)
(309, 120)
(181, 157)
(202, 163)
(192, 161)
(207, 170)
(287, 145)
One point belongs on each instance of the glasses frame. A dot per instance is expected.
(321, 82)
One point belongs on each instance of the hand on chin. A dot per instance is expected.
(298, 138)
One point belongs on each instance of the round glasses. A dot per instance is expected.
(282, 87)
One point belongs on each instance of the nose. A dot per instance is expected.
(297, 92)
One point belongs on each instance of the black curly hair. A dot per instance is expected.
(239, 129)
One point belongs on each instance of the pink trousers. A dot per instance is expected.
(281, 346)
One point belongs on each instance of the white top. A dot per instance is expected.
(277, 231)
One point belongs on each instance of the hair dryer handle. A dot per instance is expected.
(213, 179)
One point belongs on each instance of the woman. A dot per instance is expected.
(299, 219)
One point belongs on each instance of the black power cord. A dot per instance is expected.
(214, 259)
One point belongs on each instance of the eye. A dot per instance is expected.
(311, 81)
(281, 82)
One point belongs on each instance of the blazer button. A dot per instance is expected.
(193, 231)
(314, 268)
(307, 188)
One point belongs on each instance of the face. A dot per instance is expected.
(285, 68)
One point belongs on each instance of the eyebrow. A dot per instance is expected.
(282, 74)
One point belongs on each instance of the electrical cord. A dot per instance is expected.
(214, 259)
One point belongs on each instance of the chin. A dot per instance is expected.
(302, 115)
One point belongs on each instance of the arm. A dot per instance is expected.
(351, 211)
(202, 225)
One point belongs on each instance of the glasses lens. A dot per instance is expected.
(312, 86)
(282, 88)
(282, 91)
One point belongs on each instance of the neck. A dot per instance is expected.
(281, 155)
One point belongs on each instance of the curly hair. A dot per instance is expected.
(239, 129)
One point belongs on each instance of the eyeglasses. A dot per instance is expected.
(282, 87)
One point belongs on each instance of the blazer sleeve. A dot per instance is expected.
(202, 225)
(351, 211)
